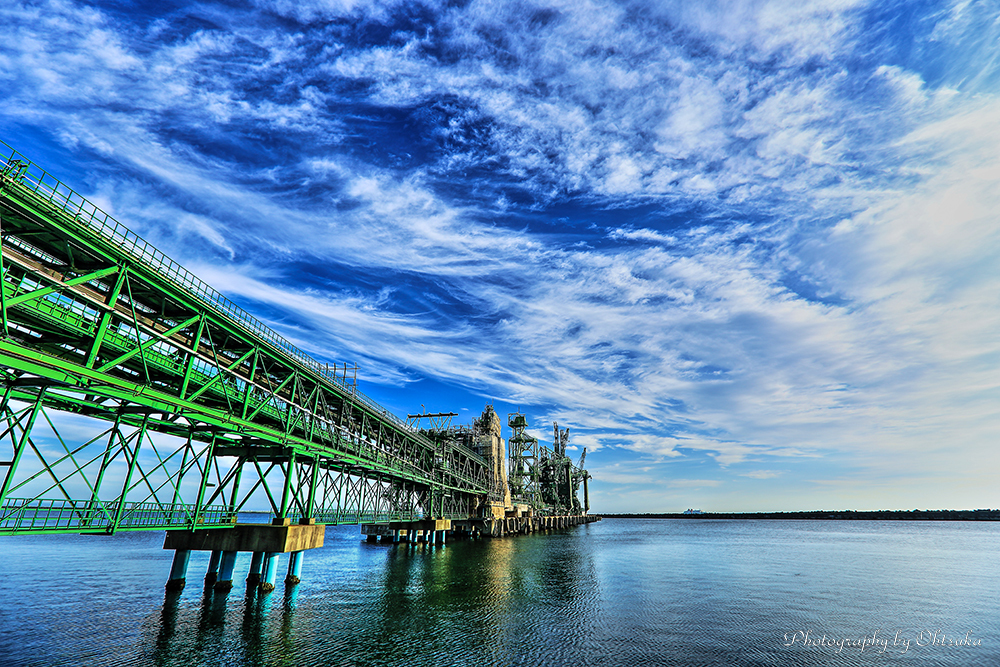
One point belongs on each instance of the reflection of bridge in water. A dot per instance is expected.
(136, 397)
(474, 603)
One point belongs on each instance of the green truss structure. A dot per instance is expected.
(136, 397)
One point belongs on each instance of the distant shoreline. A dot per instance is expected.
(837, 515)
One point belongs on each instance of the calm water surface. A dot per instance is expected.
(618, 592)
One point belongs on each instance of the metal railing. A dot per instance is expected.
(59, 515)
(20, 171)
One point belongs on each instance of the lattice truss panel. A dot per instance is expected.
(97, 322)
(65, 472)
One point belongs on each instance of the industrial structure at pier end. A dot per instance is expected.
(136, 397)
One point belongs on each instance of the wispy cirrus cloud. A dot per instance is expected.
(747, 235)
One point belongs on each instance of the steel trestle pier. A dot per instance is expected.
(136, 397)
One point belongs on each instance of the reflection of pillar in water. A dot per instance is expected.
(168, 621)
(252, 630)
(291, 596)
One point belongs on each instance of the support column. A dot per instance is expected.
(213, 568)
(270, 572)
(256, 563)
(395, 537)
(178, 570)
(294, 568)
(226, 567)
(444, 537)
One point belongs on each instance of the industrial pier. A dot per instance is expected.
(534, 490)
(135, 397)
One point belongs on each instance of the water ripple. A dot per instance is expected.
(616, 593)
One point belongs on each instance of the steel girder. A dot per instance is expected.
(96, 322)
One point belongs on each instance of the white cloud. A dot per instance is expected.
(761, 474)
(693, 483)
(751, 327)
(799, 30)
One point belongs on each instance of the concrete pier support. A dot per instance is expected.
(213, 568)
(226, 567)
(178, 570)
(265, 541)
(428, 531)
(256, 567)
(249, 537)
(434, 532)
(294, 575)
(270, 572)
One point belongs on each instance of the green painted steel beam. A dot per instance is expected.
(84, 379)
(36, 294)
(105, 320)
(121, 350)
(149, 343)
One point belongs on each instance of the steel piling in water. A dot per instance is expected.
(212, 575)
(226, 567)
(270, 572)
(410, 534)
(256, 566)
(178, 570)
(294, 568)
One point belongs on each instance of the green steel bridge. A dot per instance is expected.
(136, 397)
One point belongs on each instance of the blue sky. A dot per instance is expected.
(747, 251)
